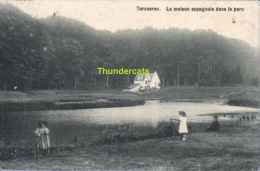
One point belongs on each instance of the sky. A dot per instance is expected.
(123, 14)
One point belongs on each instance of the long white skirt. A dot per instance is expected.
(44, 141)
(183, 125)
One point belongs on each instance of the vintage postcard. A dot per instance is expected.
(129, 85)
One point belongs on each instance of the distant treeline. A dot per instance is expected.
(57, 53)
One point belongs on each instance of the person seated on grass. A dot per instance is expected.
(214, 126)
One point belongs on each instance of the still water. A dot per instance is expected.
(89, 124)
(148, 114)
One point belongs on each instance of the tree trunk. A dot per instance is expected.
(128, 80)
(178, 76)
(75, 83)
(218, 79)
(117, 82)
(95, 81)
(107, 80)
(198, 74)
(163, 81)
(5, 86)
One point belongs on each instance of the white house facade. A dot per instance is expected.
(146, 82)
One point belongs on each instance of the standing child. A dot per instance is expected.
(183, 129)
(43, 133)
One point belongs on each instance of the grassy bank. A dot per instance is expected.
(196, 92)
(235, 147)
(69, 105)
(67, 99)
(236, 96)
(64, 95)
(94, 94)
(98, 98)
(244, 102)
(245, 98)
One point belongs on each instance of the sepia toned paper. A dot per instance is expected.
(203, 55)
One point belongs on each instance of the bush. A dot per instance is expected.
(255, 82)
(244, 102)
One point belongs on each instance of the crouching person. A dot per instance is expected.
(42, 140)
(214, 126)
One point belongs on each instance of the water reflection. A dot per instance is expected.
(149, 114)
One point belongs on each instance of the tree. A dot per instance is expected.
(238, 76)
(255, 82)
(73, 59)
(63, 53)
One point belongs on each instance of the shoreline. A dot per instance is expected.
(98, 103)
(105, 98)
(68, 105)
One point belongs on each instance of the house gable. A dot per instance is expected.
(148, 80)
(155, 80)
(142, 77)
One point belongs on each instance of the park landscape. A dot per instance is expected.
(49, 58)
(234, 147)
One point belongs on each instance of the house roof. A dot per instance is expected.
(133, 86)
(142, 77)
(151, 75)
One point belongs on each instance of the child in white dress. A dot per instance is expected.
(43, 134)
(183, 129)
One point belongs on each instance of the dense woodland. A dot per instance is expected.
(61, 53)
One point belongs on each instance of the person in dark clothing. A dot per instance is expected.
(214, 126)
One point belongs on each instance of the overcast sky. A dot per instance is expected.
(114, 15)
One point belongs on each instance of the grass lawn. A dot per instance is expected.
(235, 147)
(106, 93)
(60, 95)
(66, 99)
(197, 92)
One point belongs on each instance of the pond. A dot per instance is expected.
(90, 124)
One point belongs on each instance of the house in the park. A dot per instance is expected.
(145, 82)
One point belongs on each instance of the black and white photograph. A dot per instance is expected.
(129, 85)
